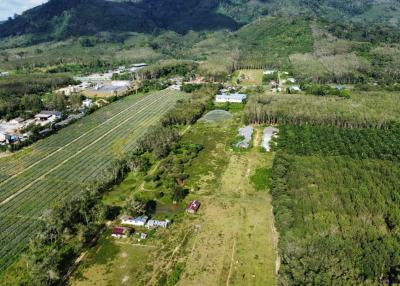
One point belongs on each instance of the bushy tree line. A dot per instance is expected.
(65, 230)
(159, 140)
(152, 84)
(171, 175)
(324, 90)
(166, 68)
(187, 112)
(360, 111)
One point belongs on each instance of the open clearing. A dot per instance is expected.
(229, 242)
(248, 77)
(59, 166)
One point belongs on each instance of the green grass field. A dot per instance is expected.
(112, 261)
(57, 167)
(230, 241)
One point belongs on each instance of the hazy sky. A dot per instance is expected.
(10, 7)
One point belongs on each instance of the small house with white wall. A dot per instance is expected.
(137, 221)
(231, 98)
(157, 223)
(269, 72)
(45, 117)
(294, 88)
(87, 103)
(3, 136)
(68, 90)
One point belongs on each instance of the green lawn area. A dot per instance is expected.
(119, 193)
(247, 77)
(113, 262)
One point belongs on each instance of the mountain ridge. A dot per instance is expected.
(60, 19)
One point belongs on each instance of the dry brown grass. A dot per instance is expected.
(235, 245)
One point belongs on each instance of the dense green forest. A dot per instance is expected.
(335, 197)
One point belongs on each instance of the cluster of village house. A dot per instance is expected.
(100, 85)
(228, 95)
(12, 131)
(128, 224)
(282, 78)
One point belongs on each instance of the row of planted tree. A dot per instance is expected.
(335, 197)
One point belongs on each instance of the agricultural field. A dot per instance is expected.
(63, 164)
(230, 241)
(335, 196)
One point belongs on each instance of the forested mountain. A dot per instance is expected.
(63, 18)
(58, 19)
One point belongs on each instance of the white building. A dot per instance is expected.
(3, 136)
(139, 65)
(291, 80)
(46, 117)
(269, 72)
(69, 90)
(157, 223)
(16, 121)
(294, 88)
(232, 98)
(138, 221)
(87, 103)
(175, 87)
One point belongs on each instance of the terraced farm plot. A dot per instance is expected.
(58, 166)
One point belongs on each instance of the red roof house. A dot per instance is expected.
(193, 207)
(120, 231)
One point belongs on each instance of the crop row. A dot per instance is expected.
(59, 156)
(41, 149)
